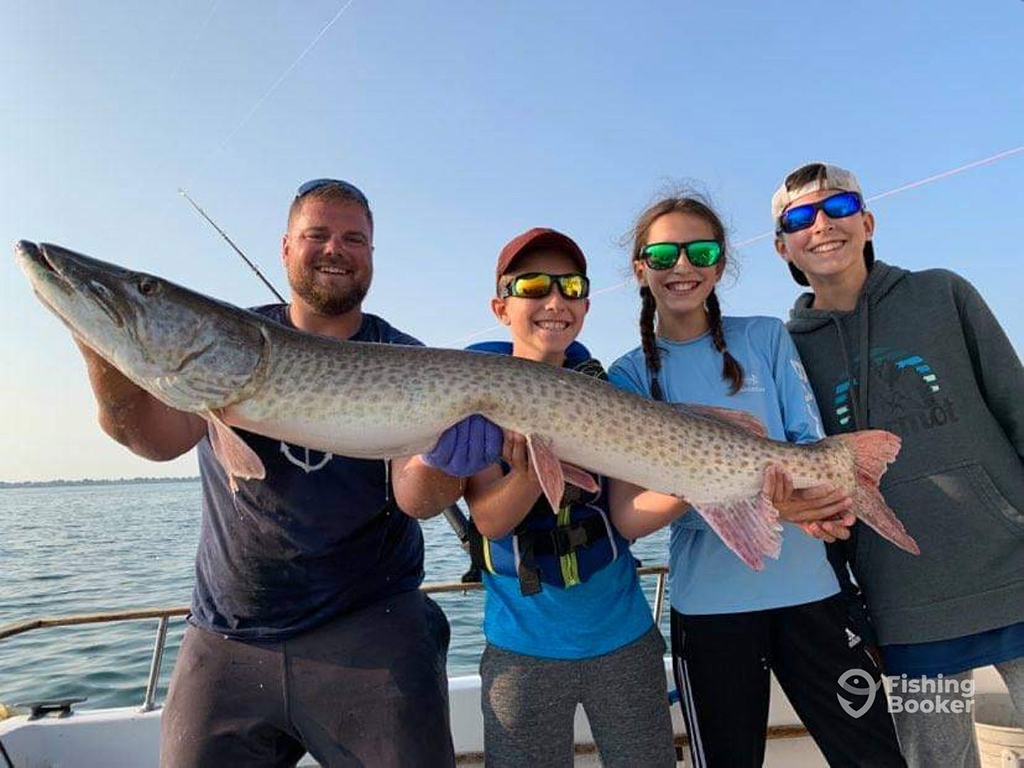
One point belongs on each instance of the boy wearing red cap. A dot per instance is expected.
(565, 620)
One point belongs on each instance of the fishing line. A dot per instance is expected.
(463, 340)
(287, 72)
(195, 39)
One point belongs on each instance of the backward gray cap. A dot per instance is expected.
(833, 177)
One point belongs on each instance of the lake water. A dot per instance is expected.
(84, 549)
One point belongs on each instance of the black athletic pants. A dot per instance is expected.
(722, 664)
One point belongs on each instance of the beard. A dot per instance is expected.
(323, 300)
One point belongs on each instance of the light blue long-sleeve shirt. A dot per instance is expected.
(706, 577)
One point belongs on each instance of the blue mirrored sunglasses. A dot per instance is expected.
(314, 184)
(835, 206)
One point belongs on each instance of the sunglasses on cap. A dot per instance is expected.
(700, 253)
(837, 206)
(315, 184)
(537, 285)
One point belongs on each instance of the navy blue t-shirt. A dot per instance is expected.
(312, 540)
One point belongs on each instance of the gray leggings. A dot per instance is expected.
(930, 739)
(529, 704)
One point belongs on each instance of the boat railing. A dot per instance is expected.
(164, 615)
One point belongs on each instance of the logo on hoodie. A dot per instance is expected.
(906, 390)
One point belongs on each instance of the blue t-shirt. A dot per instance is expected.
(312, 540)
(958, 654)
(706, 577)
(599, 616)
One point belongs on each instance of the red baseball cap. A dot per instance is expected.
(534, 240)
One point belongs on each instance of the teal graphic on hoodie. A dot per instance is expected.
(912, 401)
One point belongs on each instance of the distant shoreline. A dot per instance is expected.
(87, 481)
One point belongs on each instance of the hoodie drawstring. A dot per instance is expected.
(854, 401)
(858, 399)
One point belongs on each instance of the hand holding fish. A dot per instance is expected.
(133, 417)
(836, 528)
(467, 447)
(823, 511)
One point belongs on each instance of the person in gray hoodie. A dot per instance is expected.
(921, 355)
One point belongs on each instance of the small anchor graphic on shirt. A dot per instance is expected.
(304, 463)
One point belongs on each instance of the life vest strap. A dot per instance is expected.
(566, 539)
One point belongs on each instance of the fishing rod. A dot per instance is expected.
(222, 233)
(452, 513)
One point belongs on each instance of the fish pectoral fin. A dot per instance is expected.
(548, 469)
(749, 527)
(580, 477)
(745, 421)
(233, 453)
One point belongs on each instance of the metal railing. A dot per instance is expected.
(164, 615)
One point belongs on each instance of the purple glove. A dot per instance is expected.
(467, 447)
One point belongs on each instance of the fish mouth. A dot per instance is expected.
(41, 272)
(32, 256)
(71, 273)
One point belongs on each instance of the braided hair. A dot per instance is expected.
(692, 204)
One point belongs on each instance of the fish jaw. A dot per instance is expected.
(191, 352)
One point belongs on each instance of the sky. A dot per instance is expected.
(467, 122)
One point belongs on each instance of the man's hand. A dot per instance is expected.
(821, 510)
(467, 447)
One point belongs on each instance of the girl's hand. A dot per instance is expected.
(817, 504)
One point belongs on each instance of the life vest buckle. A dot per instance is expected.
(568, 538)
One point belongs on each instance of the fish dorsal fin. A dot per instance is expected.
(734, 418)
(233, 453)
(547, 468)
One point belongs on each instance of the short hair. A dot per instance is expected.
(330, 193)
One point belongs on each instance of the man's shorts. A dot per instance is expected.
(368, 688)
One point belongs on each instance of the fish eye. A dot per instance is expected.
(148, 286)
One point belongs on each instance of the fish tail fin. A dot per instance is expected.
(873, 451)
(749, 527)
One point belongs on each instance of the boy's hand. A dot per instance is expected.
(515, 452)
(832, 529)
(467, 447)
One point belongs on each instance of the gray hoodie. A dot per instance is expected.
(922, 356)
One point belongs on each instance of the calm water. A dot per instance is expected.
(87, 549)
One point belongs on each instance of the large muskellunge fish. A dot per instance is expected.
(236, 368)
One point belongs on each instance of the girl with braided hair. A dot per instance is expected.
(731, 626)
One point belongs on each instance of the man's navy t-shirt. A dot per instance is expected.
(311, 541)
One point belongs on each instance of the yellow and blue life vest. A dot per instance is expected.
(563, 548)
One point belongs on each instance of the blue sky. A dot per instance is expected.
(466, 123)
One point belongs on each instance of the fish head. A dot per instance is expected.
(188, 350)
